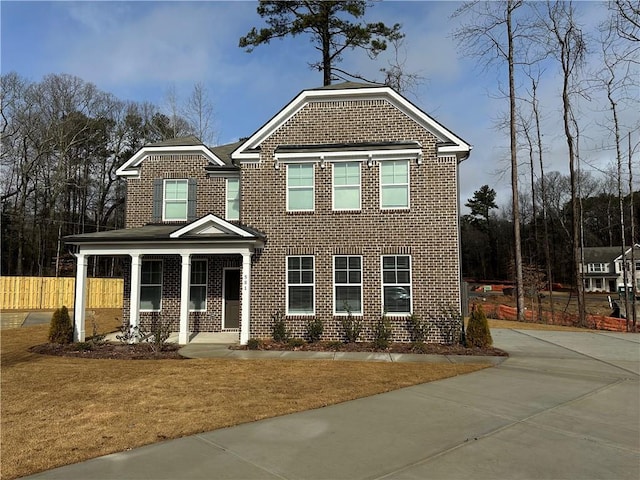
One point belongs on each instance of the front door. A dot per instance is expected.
(231, 294)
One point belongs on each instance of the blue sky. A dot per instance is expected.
(138, 50)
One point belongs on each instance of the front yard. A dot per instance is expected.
(61, 410)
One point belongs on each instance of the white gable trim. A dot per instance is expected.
(208, 222)
(246, 151)
(627, 253)
(131, 166)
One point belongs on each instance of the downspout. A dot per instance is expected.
(464, 295)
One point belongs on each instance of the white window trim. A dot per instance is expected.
(410, 284)
(333, 187)
(164, 200)
(226, 199)
(408, 184)
(313, 189)
(335, 285)
(313, 286)
(140, 309)
(205, 284)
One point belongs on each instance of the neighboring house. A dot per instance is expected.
(602, 270)
(345, 202)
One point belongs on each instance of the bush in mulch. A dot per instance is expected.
(327, 346)
(135, 351)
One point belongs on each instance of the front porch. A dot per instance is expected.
(178, 275)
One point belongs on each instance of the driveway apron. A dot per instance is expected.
(565, 405)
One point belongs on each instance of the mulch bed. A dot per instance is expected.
(137, 351)
(143, 351)
(420, 348)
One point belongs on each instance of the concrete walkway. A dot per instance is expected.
(565, 405)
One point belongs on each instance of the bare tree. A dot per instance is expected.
(495, 36)
(567, 45)
(198, 111)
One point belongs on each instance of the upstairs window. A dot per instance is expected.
(597, 268)
(347, 282)
(396, 283)
(233, 199)
(151, 285)
(346, 186)
(175, 199)
(300, 187)
(300, 285)
(394, 184)
(198, 286)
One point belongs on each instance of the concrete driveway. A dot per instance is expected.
(565, 405)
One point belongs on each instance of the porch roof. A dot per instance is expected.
(162, 233)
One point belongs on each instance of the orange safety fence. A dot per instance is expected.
(597, 322)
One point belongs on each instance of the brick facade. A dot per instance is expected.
(427, 231)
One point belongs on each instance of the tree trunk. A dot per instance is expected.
(514, 172)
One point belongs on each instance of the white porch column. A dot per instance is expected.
(134, 295)
(245, 307)
(80, 297)
(185, 280)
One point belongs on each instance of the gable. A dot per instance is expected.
(174, 147)
(376, 98)
(210, 225)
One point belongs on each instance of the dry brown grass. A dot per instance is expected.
(60, 410)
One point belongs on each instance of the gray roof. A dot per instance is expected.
(151, 233)
(223, 152)
(602, 254)
(346, 85)
(177, 142)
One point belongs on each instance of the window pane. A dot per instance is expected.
(198, 298)
(199, 271)
(301, 199)
(354, 276)
(347, 198)
(354, 262)
(293, 263)
(300, 300)
(389, 276)
(307, 277)
(294, 277)
(341, 276)
(150, 297)
(175, 210)
(397, 299)
(306, 263)
(388, 262)
(395, 196)
(300, 175)
(341, 262)
(350, 296)
(403, 276)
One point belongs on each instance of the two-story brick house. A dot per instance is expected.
(345, 201)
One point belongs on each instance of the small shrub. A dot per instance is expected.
(314, 329)
(279, 328)
(296, 342)
(128, 334)
(418, 347)
(418, 329)
(97, 338)
(254, 344)
(83, 346)
(157, 335)
(382, 332)
(478, 333)
(351, 326)
(334, 345)
(61, 329)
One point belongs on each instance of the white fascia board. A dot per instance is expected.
(348, 155)
(387, 93)
(213, 220)
(170, 249)
(130, 167)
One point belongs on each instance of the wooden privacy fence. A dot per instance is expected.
(23, 293)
